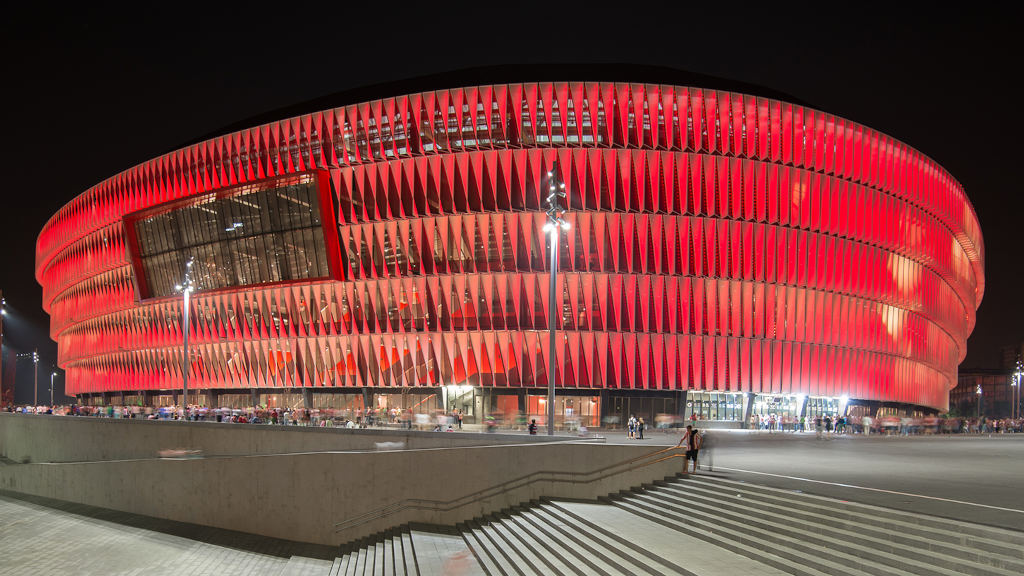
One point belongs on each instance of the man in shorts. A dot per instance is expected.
(692, 440)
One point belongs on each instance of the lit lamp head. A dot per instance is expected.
(187, 287)
(556, 209)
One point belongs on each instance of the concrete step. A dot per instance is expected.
(408, 554)
(719, 527)
(684, 553)
(443, 554)
(518, 561)
(481, 546)
(301, 566)
(371, 557)
(621, 562)
(778, 557)
(353, 562)
(840, 509)
(563, 560)
(995, 546)
(387, 558)
(799, 541)
(338, 567)
(590, 563)
(396, 550)
(644, 563)
(379, 565)
(552, 559)
(372, 560)
(501, 557)
(524, 547)
(910, 540)
(384, 563)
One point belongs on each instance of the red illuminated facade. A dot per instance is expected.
(720, 242)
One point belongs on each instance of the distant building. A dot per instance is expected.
(996, 396)
(731, 254)
(1010, 354)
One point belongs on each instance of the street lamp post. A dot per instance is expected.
(35, 378)
(1018, 375)
(555, 212)
(978, 392)
(52, 376)
(186, 290)
(3, 313)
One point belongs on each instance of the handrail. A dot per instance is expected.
(448, 505)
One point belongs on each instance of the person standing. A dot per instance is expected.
(684, 443)
(533, 427)
(694, 442)
(691, 440)
(640, 428)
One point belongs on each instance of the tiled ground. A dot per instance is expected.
(48, 537)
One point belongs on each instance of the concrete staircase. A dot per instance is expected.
(697, 525)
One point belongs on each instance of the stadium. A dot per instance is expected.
(729, 252)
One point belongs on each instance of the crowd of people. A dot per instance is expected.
(439, 420)
(357, 418)
(885, 425)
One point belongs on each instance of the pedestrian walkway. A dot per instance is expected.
(44, 537)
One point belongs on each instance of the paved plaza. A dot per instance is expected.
(976, 478)
(48, 537)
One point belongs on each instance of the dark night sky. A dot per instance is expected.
(90, 94)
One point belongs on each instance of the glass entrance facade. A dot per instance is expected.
(657, 411)
(463, 399)
(714, 405)
(821, 406)
(570, 412)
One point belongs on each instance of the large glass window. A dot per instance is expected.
(257, 234)
(714, 405)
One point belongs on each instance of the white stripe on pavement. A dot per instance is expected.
(873, 489)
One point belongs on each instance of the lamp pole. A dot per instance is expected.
(1018, 374)
(186, 290)
(52, 376)
(978, 392)
(3, 314)
(35, 378)
(555, 212)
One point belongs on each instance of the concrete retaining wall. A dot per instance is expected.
(303, 496)
(80, 439)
